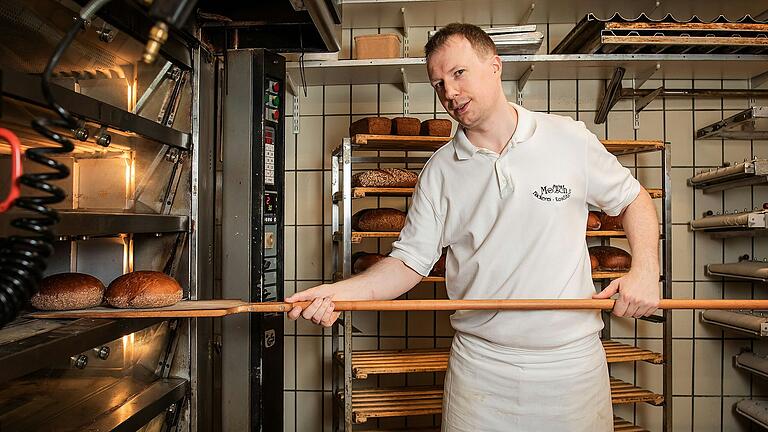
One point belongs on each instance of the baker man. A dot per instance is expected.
(508, 197)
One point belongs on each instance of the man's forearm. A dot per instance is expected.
(387, 279)
(642, 228)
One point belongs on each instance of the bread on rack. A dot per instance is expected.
(593, 221)
(143, 289)
(593, 262)
(436, 127)
(385, 177)
(362, 261)
(611, 258)
(406, 126)
(439, 268)
(378, 219)
(372, 126)
(68, 291)
(611, 223)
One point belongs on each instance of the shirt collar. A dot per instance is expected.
(526, 126)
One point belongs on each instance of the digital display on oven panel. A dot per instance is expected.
(270, 207)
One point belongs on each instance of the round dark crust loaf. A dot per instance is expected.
(611, 258)
(68, 291)
(143, 289)
(439, 268)
(593, 262)
(593, 221)
(385, 177)
(378, 219)
(611, 223)
(362, 261)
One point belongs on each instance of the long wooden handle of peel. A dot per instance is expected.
(521, 304)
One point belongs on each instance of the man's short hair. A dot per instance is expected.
(479, 39)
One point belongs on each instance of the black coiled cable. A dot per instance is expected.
(22, 258)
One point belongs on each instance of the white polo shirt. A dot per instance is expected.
(514, 225)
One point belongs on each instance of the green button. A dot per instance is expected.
(276, 100)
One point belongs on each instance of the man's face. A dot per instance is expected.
(466, 83)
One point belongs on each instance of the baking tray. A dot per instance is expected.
(750, 124)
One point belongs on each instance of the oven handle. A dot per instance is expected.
(16, 170)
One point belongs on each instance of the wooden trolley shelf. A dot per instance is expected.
(412, 401)
(624, 147)
(621, 425)
(358, 236)
(436, 279)
(380, 362)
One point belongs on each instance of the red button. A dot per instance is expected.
(276, 86)
(268, 140)
(275, 114)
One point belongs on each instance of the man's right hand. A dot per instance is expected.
(321, 310)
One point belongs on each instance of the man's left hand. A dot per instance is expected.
(638, 294)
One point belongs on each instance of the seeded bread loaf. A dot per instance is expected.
(371, 125)
(385, 177)
(406, 126)
(593, 262)
(593, 221)
(379, 219)
(611, 258)
(436, 127)
(362, 261)
(143, 289)
(68, 291)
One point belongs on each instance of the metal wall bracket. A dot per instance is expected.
(522, 81)
(645, 75)
(296, 114)
(404, 17)
(527, 15)
(405, 85)
(647, 99)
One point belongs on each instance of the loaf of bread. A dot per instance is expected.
(143, 289)
(439, 268)
(362, 261)
(379, 219)
(611, 258)
(593, 221)
(593, 262)
(67, 291)
(406, 126)
(385, 177)
(611, 223)
(371, 125)
(436, 127)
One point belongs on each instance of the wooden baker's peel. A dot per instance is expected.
(218, 308)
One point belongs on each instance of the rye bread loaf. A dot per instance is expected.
(371, 125)
(385, 177)
(593, 221)
(439, 268)
(406, 126)
(362, 261)
(436, 127)
(68, 291)
(611, 223)
(378, 219)
(611, 258)
(143, 289)
(593, 262)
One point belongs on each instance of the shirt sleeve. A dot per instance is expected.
(419, 243)
(610, 186)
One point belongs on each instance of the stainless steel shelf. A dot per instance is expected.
(755, 410)
(387, 13)
(28, 88)
(753, 363)
(746, 173)
(750, 124)
(103, 224)
(747, 270)
(754, 323)
(88, 403)
(28, 347)
(546, 67)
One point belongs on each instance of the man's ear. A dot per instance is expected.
(496, 64)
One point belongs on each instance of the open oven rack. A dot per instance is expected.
(28, 345)
(750, 124)
(28, 88)
(745, 173)
(745, 270)
(754, 410)
(425, 400)
(754, 323)
(737, 224)
(358, 406)
(95, 224)
(112, 403)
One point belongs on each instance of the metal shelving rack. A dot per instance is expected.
(361, 405)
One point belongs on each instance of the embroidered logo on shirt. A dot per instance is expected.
(555, 192)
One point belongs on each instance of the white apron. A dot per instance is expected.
(494, 388)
